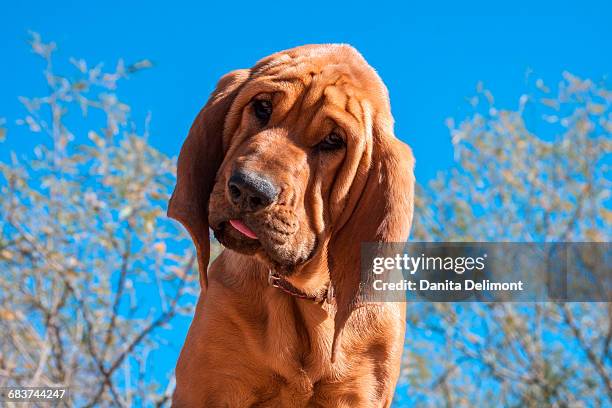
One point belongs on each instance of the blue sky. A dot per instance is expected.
(430, 57)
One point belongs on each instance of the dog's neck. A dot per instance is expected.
(311, 279)
(325, 294)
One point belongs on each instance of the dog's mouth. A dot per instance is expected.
(243, 228)
(236, 235)
(251, 236)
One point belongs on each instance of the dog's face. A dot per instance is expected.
(287, 140)
(295, 160)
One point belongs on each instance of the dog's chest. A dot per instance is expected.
(272, 353)
(290, 350)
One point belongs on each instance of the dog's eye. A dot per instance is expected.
(333, 141)
(262, 109)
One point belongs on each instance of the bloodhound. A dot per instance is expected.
(292, 164)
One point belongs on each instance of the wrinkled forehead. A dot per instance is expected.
(331, 76)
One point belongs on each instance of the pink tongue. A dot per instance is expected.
(239, 225)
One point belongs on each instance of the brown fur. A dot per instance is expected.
(253, 345)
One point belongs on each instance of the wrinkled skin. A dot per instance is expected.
(306, 109)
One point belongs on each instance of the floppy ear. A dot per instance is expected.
(381, 211)
(198, 162)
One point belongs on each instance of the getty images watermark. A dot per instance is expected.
(451, 264)
(513, 272)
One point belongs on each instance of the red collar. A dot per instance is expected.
(281, 283)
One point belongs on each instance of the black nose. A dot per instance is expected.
(250, 191)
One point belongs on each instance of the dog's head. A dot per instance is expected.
(294, 161)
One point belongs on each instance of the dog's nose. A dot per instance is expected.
(250, 191)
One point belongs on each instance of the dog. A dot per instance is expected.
(292, 164)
